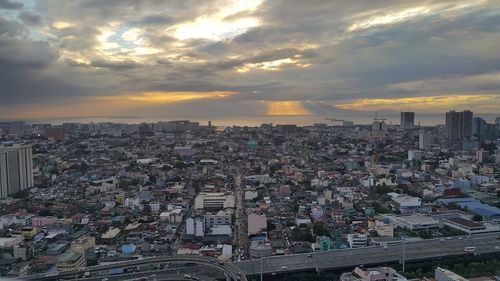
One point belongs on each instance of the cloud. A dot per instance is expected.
(296, 56)
(428, 104)
(167, 97)
(287, 108)
(30, 18)
(10, 5)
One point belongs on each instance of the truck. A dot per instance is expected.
(115, 271)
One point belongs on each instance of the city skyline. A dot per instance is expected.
(247, 60)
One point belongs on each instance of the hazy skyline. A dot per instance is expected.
(247, 59)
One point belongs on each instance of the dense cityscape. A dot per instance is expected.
(109, 200)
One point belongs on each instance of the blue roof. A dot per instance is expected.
(128, 248)
(447, 201)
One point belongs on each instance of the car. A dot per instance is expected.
(459, 238)
(448, 238)
(442, 239)
(310, 256)
(385, 248)
(497, 247)
(284, 267)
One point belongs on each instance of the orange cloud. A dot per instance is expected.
(480, 103)
(167, 97)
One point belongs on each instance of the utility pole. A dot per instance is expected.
(404, 254)
(261, 274)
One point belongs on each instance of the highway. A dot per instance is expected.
(101, 270)
(336, 259)
(348, 258)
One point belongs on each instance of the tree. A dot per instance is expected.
(320, 230)
(477, 218)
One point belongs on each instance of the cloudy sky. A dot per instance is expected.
(240, 59)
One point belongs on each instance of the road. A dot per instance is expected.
(102, 270)
(338, 259)
(151, 276)
(241, 236)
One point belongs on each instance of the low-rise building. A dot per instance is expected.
(70, 260)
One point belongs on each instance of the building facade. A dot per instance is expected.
(407, 120)
(16, 169)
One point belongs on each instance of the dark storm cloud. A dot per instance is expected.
(10, 5)
(30, 18)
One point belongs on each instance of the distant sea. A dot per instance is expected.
(361, 118)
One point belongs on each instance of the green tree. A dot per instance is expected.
(477, 218)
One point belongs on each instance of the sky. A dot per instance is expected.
(247, 59)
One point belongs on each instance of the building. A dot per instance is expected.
(81, 244)
(379, 130)
(56, 133)
(256, 223)
(220, 218)
(16, 169)
(465, 225)
(325, 243)
(260, 248)
(195, 227)
(482, 155)
(415, 155)
(372, 274)
(406, 204)
(441, 274)
(357, 240)
(424, 139)
(458, 125)
(69, 261)
(214, 201)
(407, 120)
(414, 222)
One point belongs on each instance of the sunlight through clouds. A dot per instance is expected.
(287, 108)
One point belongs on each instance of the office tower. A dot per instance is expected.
(478, 126)
(424, 139)
(458, 125)
(16, 169)
(407, 120)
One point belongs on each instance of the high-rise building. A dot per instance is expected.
(458, 125)
(379, 130)
(407, 120)
(424, 139)
(16, 169)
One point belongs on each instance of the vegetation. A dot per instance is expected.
(302, 234)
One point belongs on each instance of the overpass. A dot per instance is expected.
(331, 260)
(229, 270)
(349, 258)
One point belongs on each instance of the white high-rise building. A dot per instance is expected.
(16, 169)
(424, 139)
